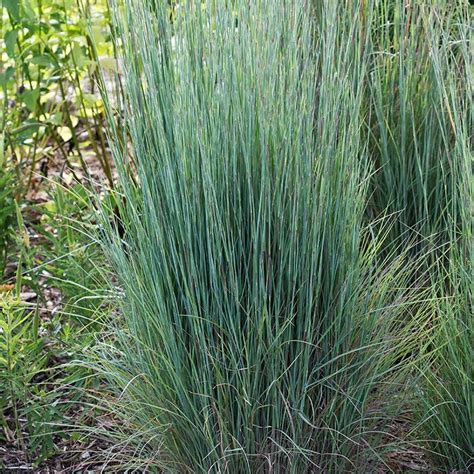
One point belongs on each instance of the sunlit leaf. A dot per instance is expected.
(65, 133)
(13, 8)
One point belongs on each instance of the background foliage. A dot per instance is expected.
(52, 143)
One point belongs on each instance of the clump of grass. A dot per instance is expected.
(446, 395)
(420, 121)
(419, 95)
(258, 318)
(446, 410)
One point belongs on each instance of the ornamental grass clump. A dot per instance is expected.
(446, 390)
(446, 396)
(420, 96)
(259, 320)
(421, 89)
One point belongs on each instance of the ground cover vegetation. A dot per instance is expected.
(236, 236)
(52, 148)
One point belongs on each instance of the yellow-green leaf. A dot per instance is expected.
(65, 133)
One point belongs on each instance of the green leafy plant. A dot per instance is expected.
(51, 121)
(51, 106)
(68, 257)
(21, 359)
(7, 210)
(39, 385)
